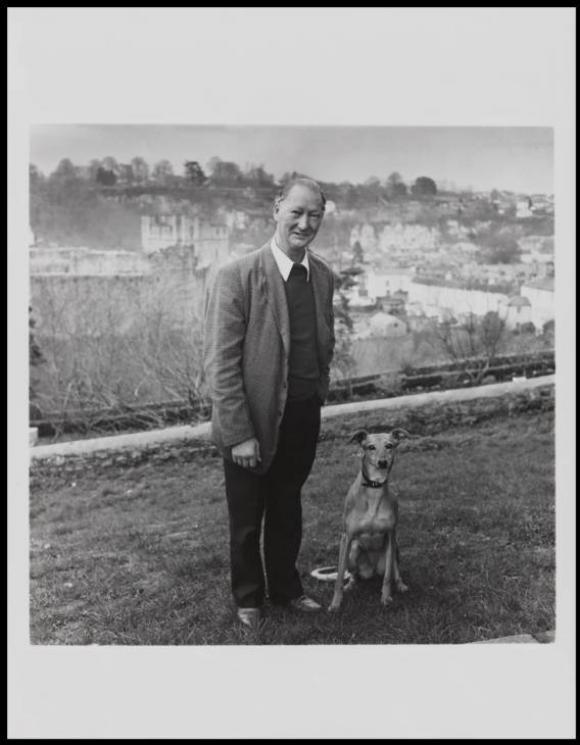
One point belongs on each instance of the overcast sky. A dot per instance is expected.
(511, 158)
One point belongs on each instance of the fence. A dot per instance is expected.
(382, 385)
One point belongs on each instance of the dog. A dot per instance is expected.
(368, 541)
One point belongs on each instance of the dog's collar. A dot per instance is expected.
(371, 483)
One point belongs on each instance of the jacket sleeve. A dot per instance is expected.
(225, 328)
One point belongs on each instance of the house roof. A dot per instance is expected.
(518, 301)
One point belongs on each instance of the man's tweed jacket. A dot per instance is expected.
(247, 344)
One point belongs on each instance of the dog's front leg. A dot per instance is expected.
(345, 540)
(400, 585)
(386, 594)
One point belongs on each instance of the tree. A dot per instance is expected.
(140, 170)
(35, 176)
(258, 176)
(93, 169)
(106, 177)
(472, 344)
(343, 363)
(65, 172)
(35, 356)
(395, 185)
(499, 248)
(194, 173)
(347, 194)
(212, 164)
(424, 187)
(126, 175)
(226, 173)
(110, 164)
(394, 178)
(358, 256)
(162, 172)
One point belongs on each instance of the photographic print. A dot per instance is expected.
(440, 241)
(291, 373)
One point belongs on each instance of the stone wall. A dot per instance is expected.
(425, 423)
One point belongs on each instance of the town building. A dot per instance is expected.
(524, 208)
(518, 312)
(540, 293)
(456, 299)
(381, 284)
(210, 239)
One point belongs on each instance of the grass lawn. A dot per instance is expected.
(139, 555)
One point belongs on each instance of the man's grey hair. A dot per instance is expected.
(309, 183)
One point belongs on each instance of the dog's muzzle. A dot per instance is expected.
(382, 464)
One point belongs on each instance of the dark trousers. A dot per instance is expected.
(275, 498)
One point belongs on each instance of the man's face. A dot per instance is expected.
(298, 217)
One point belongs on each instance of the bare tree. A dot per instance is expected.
(473, 344)
(113, 346)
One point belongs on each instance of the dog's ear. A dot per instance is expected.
(359, 436)
(400, 434)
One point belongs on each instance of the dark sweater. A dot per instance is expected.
(303, 370)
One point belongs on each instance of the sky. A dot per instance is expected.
(512, 158)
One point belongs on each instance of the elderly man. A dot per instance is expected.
(269, 341)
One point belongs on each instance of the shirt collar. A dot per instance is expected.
(285, 263)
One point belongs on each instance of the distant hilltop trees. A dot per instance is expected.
(218, 173)
(99, 203)
(109, 172)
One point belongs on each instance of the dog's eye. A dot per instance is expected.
(371, 447)
(389, 445)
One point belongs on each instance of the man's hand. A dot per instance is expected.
(247, 454)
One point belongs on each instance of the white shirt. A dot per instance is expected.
(285, 263)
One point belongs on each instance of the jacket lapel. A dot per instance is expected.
(273, 289)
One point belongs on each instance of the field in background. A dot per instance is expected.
(140, 555)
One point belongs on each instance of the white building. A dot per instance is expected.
(457, 300)
(236, 219)
(381, 284)
(401, 238)
(518, 312)
(524, 208)
(210, 240)
(540, 293)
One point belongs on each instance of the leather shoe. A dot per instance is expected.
(250, 617)
(305, 604)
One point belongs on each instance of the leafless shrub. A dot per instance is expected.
(114, 345)
(472, 344)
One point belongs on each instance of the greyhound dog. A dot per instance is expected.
(368, 541)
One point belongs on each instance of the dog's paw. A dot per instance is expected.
(334, 606)
(402, 587)
(386, 598)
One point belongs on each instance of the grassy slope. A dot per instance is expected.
(140, 555)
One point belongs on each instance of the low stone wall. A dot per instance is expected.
(434, 416)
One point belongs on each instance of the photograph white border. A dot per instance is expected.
(342, 66)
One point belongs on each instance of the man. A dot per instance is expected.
(269, 341)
